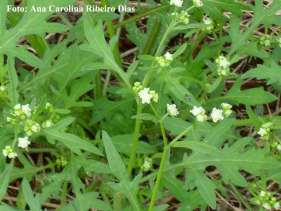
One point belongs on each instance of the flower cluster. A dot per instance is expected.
(31, 127)
(145, 94)
(199, 113)
(26, 119)
(276, 145)
(172, 109)
(223, 66)
(165, 60)
(177, 3)
(267, 200)
(23, 142)
(20, 112)
(181, 17)
(147, 164)
(209, 24)
(216, 114)
(61, 161)
(9, 152)
(264, 131)
(266, 40)
(198, 3)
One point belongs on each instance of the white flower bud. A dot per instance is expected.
(197, 3)
(23, 142)
(177, 3)
(217, 115)
(145, 96)
(172, 110)
(199, 113)
(9, 152)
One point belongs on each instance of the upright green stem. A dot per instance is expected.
(161, 169)
(135, 139)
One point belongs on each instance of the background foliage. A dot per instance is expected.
(93, 156)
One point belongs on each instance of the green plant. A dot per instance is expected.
(173, 107)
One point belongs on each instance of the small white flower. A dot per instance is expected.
(23, 142)
(222, 62)
(222, 65)
(217, 115)
(168, 56)
(199, 113)
(197, 110)
(165, 60)
(9, 152)
(22, 111)
(209, 23)
(177, 3)
(145, 96)
(201, 117)
(26, 110)
(172, 109)
(197, 3)
(262, 132)
(266, 206)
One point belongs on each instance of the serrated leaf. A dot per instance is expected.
(33, 202)
(31, 23)
(229, 161)
(175, 125)
(87, 201)
(114, 160)
(5, 178)
(119, 170)
(253, 96)
(217, 135)
(73, 142)
(4, 207)
(206, 189)
(272, 74)
(98, 46)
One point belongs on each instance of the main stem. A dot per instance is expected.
(135, 139)
(161, 168)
